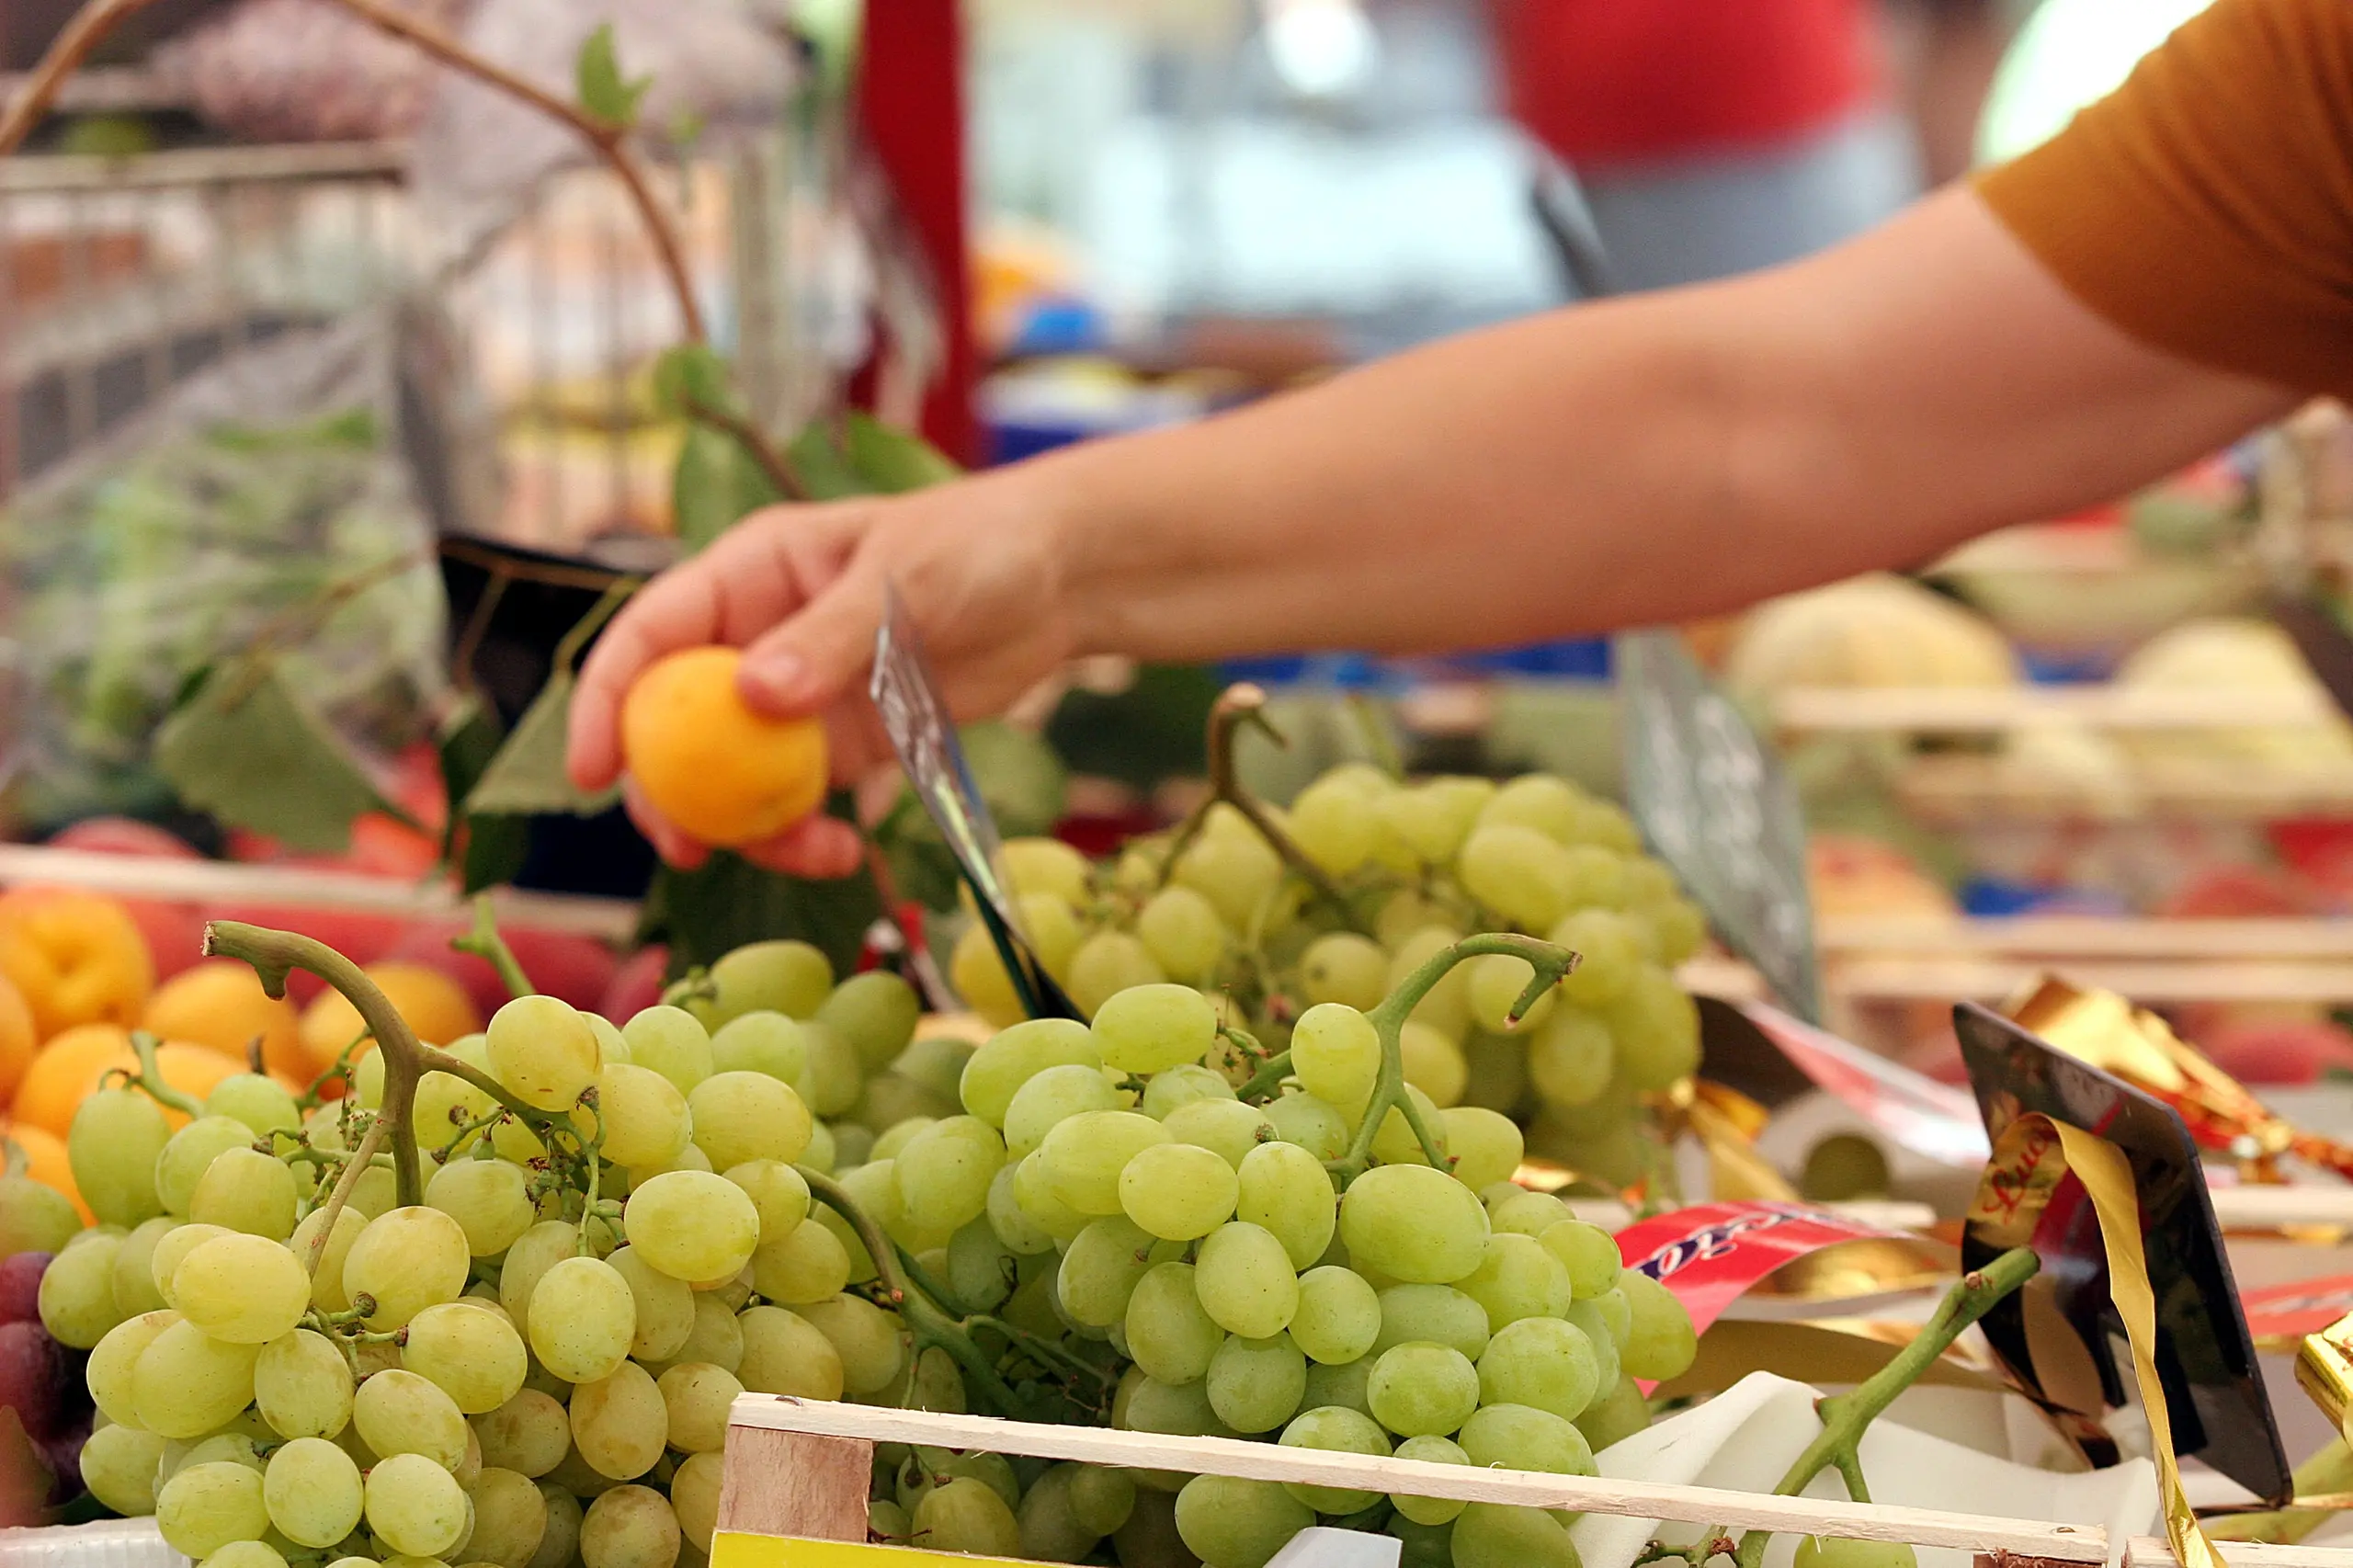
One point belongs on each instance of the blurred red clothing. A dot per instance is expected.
(1612, 83)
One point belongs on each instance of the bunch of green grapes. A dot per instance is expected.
(526, 1369)
(1106, 1188)
(1414, 866)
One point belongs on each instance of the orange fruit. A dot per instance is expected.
(18, 1039)
(76, 957)
(718, 770)
(432, 1004)
(45, 1160)
(219, 1004)
(70, 1067)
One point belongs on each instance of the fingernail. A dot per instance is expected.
(773, 678)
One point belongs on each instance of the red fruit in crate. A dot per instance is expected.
(637, 984)
(2237, 892)
(2283, 1052)
(564, 963)
(20, 1286)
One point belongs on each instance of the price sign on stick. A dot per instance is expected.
(1712, 800)
(914, 716)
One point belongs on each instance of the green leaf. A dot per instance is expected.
(824, 468)
(468, 739)
(246, 748)
(693, 372)
(603, 91)
(526, 777)
(716, 486)
(893, 461)
(709, 911)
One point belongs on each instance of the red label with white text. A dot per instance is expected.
(2292, 1312)
(1711, 1253)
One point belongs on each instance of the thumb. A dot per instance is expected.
(805, 663)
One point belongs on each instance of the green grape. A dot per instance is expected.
(1334, 822)
(833, 1079)
(1496, 1535)
(132, 1282)
(583, 1318)
(641, 1114)
(186, 1153)
(115, 1140)
(1339, 1315)
(1419, 1387)
(977, 972)
(1284, 1188)
(1232, 1523)
(1168, 1334)
(407, 1260)
(110, 1369)
(1519, 873)
(1256, 1385)
(327, 1292)
(1034, 1195)
(117, 1465)
(1519, 1436)
(1182, 933)
(1099, 1270)
(1445, 1007)
(537, 1250)
(1439, 1314)
(805, 1264)
(1100, 1499)
(1608, 945)
(1571, 1058)
(1542, 1362)
(1587, 1252)
(895, 1138)
(1614, 1415)
(787, 977)
(230, 1448)
(1335, 1429)
(1413, 1224)
(243, 1288)
(672, 1042)
(944, 1173)
(400, 1411)
(1179, 1086)
(1678, 930)
(303, 1386)
(1526, 1213)
(560, 1544)
(1336, 1053)
(1341, 1385)
(1107, 964)
(490, 1200)
(1152, 1028)
(1843, 1167)
(1346, 969)
(1485, 1145)
(997, 1070)
(1434, 1066)
(313, 1492)
(693, 1226)
(244, 1189)
(760, 1043)
(877, 1013)
(76, 1298)
(938, 1063)
(1246, 1280)
(246, 1554)
(1424, 822)
(444, 1107)
(1084, 1154)
(982, 1270)
(1429, 1448)
(1656, 1028)
(1597, 876)
(1229, 1127)
(1552, 806)
(964, 1515)
(1518, 1279)
(510, 1518)
(1009, 1222)
(620, 1423)
(415, 1506)
(694, 1497)
(470, 1353)
(695, 1395)
(1833, 1552)
(185, 1384)
(528, 1434)
(927, 1468)
(864, 1337)
(739, 1117)
(543, 1052)
(377, 1192)
(1587, 1319)
(1494, 986)
(1309, 1122)
(779, 1194)
(1050, 1531)
(206, 1507)
(1180, 1191)
(1660, 1343)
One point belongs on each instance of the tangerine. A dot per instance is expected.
(218, 1004)
(436, 1006)
(18, 1039)
(77, 957)
(720, 772)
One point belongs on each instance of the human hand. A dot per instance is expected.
(799, 589)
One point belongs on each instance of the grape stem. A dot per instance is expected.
(1551, 964)
(1845, 1417)
(1268, 1079)
(149, 1079)
(1239, 704)
(484, 942)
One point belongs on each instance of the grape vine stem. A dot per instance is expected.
(1237, 706)
(484, 942)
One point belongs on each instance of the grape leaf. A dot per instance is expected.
(825, 471)
(706, 913)
(693, 373)
(487, 850)
(893, 461)
(716, 486)
(526, 777)
(602, 90)
(245, 746)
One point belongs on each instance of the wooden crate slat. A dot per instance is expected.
(2154, 1552)
(1269, 1461)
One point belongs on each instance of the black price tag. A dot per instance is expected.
(2057, 1336)
(1712, 800)
(916, 718)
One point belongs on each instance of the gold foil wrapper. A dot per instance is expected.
(2325, 1372)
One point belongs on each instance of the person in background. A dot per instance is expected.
(1715, 137)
